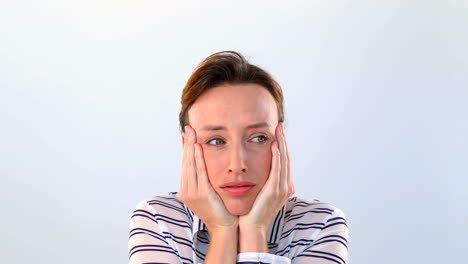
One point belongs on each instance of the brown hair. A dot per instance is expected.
(226, 67)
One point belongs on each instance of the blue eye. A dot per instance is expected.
(217, 140)
(261, 139)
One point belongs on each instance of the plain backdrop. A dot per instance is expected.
(376, 116)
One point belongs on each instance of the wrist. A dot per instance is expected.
(223, 231)
(223, 245)
(253, 240)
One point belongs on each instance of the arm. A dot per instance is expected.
(146, 243)
(253, 227)
(223, 247)
(330, 245)
(196, 192)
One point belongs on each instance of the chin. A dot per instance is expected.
(238, 211)
(238, 206)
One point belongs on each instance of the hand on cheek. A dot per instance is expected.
(253, 227)
(196, 191)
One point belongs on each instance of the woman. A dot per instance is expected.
(233, 204)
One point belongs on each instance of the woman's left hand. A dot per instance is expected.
(253, 227)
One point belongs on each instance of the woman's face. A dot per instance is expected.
(235, 126)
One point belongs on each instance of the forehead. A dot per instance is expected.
(234, 105)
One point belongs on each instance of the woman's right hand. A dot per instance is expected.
(196, 191)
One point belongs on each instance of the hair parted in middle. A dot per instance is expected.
(226, 67)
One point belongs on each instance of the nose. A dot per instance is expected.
(237, 162)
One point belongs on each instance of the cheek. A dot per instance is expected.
(259, 162)
(257, 159)
(215, 164)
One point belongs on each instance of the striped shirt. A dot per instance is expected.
(163, 230)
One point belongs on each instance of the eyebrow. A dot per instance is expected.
(256, 125)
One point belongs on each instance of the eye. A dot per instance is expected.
(217, 141)
(261, 139)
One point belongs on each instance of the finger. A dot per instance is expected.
(202, 176)
(285, 154)
(183, 177)
(275, 170)
(282, 150)
(289, 178)
(191, 166)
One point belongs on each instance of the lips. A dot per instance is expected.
(238, 188)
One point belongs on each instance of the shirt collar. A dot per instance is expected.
(274, 230)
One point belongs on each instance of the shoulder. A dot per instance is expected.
(313, 229)
(300, 211)
(162, 205)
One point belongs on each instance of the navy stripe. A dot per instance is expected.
(337, 236)
(201, 255)
(327, 253)
(337, 223)
(190, 214)
(172, 199)
(273, 229)
(297, 216)
(143, 211)
(336, 218)
(310, 204)
(304, 227)
(312, 207)
(302, 242)
(174, 223)
(179, 240)
(298, 228)
(156, 248)
(203, 239)
(147, 232)
(316, 256)
(140, 246)
(279, 222)
(272, 246)
(170, 218)
(150, 218)
(304, 220)
(169, 206)
(331, 240)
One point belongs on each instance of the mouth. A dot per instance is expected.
(238, 188)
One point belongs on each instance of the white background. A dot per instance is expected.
(376, 116)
